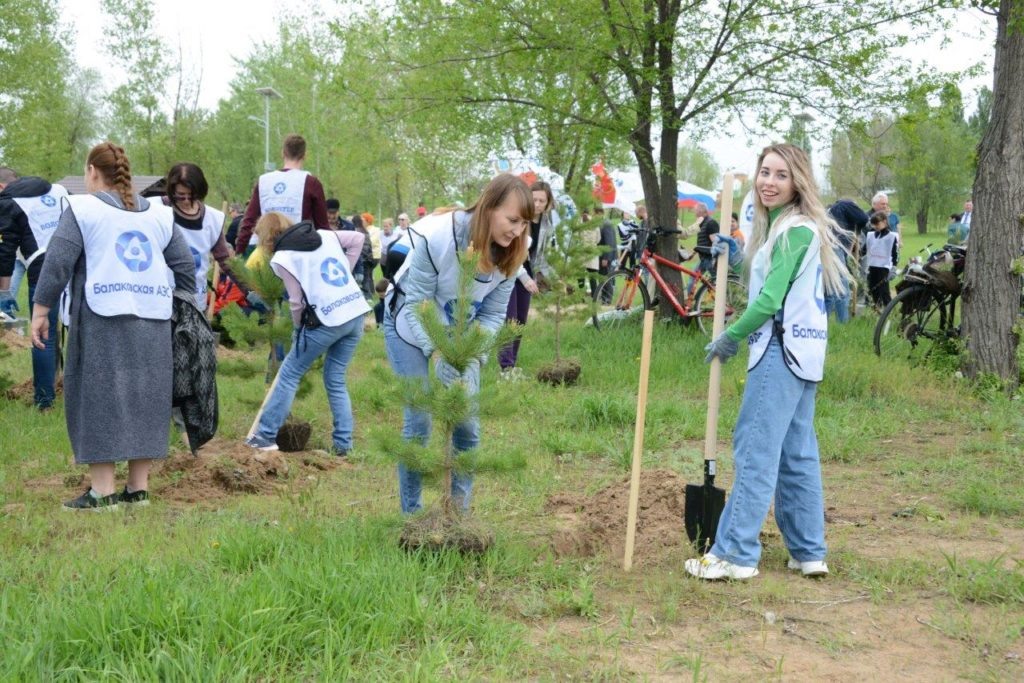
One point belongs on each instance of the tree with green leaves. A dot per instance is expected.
(992, 279)
(273, 325)
(645, 70)
(697, 166)
(934, 157)
(48, 109)
(567, 258)
(858, 158)
(138, 118)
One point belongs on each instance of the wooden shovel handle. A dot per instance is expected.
(721, 285)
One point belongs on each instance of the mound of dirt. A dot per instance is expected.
(223, 469)
(13, 340)
(26, 392)
(596, 525)
(226, 468)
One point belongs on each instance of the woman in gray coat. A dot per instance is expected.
(125, 261)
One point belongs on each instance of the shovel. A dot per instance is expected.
(704, 503)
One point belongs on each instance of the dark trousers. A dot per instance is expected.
(367, 285)
(518, 309)
(878, 285)
(44, 361)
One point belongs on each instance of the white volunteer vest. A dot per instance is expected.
(804, 321)
(326, 280)
(437, 234)
(43, 214)
(282, 192)
(125, 271)
(200, 242)
(879, 250)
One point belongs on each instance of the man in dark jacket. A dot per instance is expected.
(30, 208)
(708, 227)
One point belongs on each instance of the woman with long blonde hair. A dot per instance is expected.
(793, 263)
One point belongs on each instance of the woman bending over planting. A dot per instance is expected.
(495, 226)
(327, 310)
(793, 266)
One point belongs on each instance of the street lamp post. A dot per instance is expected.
(268, 94)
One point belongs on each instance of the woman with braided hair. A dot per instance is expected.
(125, 261)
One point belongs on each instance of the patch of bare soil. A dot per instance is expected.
(596, 525)
(26, 392)
(13, 340)
(223, 469)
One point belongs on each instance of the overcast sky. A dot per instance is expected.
(214, 34)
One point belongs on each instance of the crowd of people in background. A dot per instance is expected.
(123, 259)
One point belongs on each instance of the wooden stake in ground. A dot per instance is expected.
(638, 439)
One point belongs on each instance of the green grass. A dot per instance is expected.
(310, 584)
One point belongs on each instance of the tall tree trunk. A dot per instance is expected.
(991, 289)
(922, 221)
(398, 191)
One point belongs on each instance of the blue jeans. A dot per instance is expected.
(16, 277)
(776, 451)
(408, 361)
(44, 361)
(838, 304)
(337, 345)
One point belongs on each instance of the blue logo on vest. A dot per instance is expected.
(134, 251)
(278, 188)
(333, 272)
(819, 291)
(47, 200)
(197, 258)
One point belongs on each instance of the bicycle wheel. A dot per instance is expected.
(912, 322)
(620, 300)
(704, 303)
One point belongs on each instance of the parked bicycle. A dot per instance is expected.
(637, 285)
(925, 308)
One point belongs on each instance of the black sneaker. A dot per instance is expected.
(135, 498)
(89, 503)
(339, 452)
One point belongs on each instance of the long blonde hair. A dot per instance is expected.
(806, 202)
(268, 228)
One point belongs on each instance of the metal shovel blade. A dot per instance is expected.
(703, 508)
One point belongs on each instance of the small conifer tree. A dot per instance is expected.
(274, 326)
(461, 344)
(567, 258)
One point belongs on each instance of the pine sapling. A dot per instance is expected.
(567, 258)
(462, 344)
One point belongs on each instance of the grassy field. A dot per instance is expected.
(305, 580)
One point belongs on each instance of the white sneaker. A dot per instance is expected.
(811, 568)
(713, 568)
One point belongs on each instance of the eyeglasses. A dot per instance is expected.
(180, 198)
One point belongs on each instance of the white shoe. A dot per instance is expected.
(712, 568)
(811, 568)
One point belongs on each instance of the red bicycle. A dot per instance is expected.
(625, 294)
